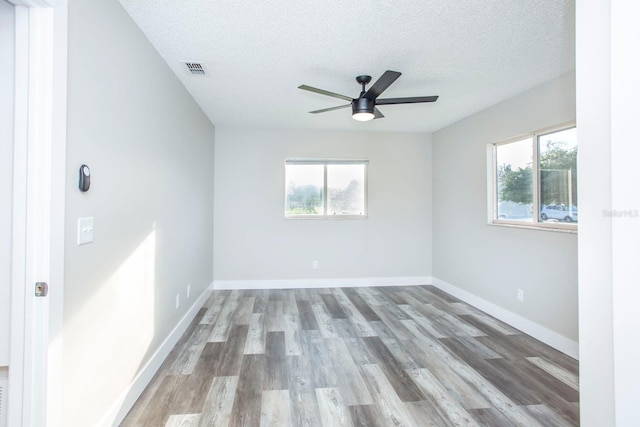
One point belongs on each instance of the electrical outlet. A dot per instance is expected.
(520, 295)
(188, 290)
(178, 301)
(315, 264)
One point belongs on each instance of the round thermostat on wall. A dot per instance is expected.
(84, 181)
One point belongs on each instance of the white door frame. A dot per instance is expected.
(35, 360)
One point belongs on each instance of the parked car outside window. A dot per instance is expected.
(559, 213)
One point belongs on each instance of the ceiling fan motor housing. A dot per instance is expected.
(362, 105)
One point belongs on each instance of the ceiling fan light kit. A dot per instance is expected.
(363, 117)
(364, 107)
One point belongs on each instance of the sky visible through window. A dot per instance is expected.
(568, 136)
(305, 174)
(517, 154)
(313, 175)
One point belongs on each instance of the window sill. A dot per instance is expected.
(326, 217)
(560, 228)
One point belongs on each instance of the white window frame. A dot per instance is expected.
(326, 163)
(492, 202)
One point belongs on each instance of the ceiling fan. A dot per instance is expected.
(364, 106)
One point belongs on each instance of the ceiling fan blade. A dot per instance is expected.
(411, 100)
(324, 110)
(325, 92)
(382, 84)
(377, 114)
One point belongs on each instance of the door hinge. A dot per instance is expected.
(42, 289)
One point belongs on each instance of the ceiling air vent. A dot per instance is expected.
(195, 68)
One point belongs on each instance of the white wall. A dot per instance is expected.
(607, 70)
(492, 262)
(594, 189)
(253, 241)
(7, 40)
(625, 90)
(151, 152)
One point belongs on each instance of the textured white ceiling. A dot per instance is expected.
(472, 53)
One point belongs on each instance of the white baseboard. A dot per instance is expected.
(322, 283)
(4, 384)
(121, 407)
(547, 336)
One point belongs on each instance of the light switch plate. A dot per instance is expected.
(85, 230)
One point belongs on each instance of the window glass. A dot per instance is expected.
(304, 190)
(345, 189)
(325, 188)
(558, 188)
(536, 180)
(515, 181)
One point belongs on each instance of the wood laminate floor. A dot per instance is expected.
(386, 356)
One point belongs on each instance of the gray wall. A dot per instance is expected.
(253, 241)
(151, 152)
(492, 262)
(6, 171)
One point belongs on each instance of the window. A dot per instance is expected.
(535, 180)
(325, 188)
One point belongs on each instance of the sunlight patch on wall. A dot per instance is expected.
(135, 284)
(115, 327)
